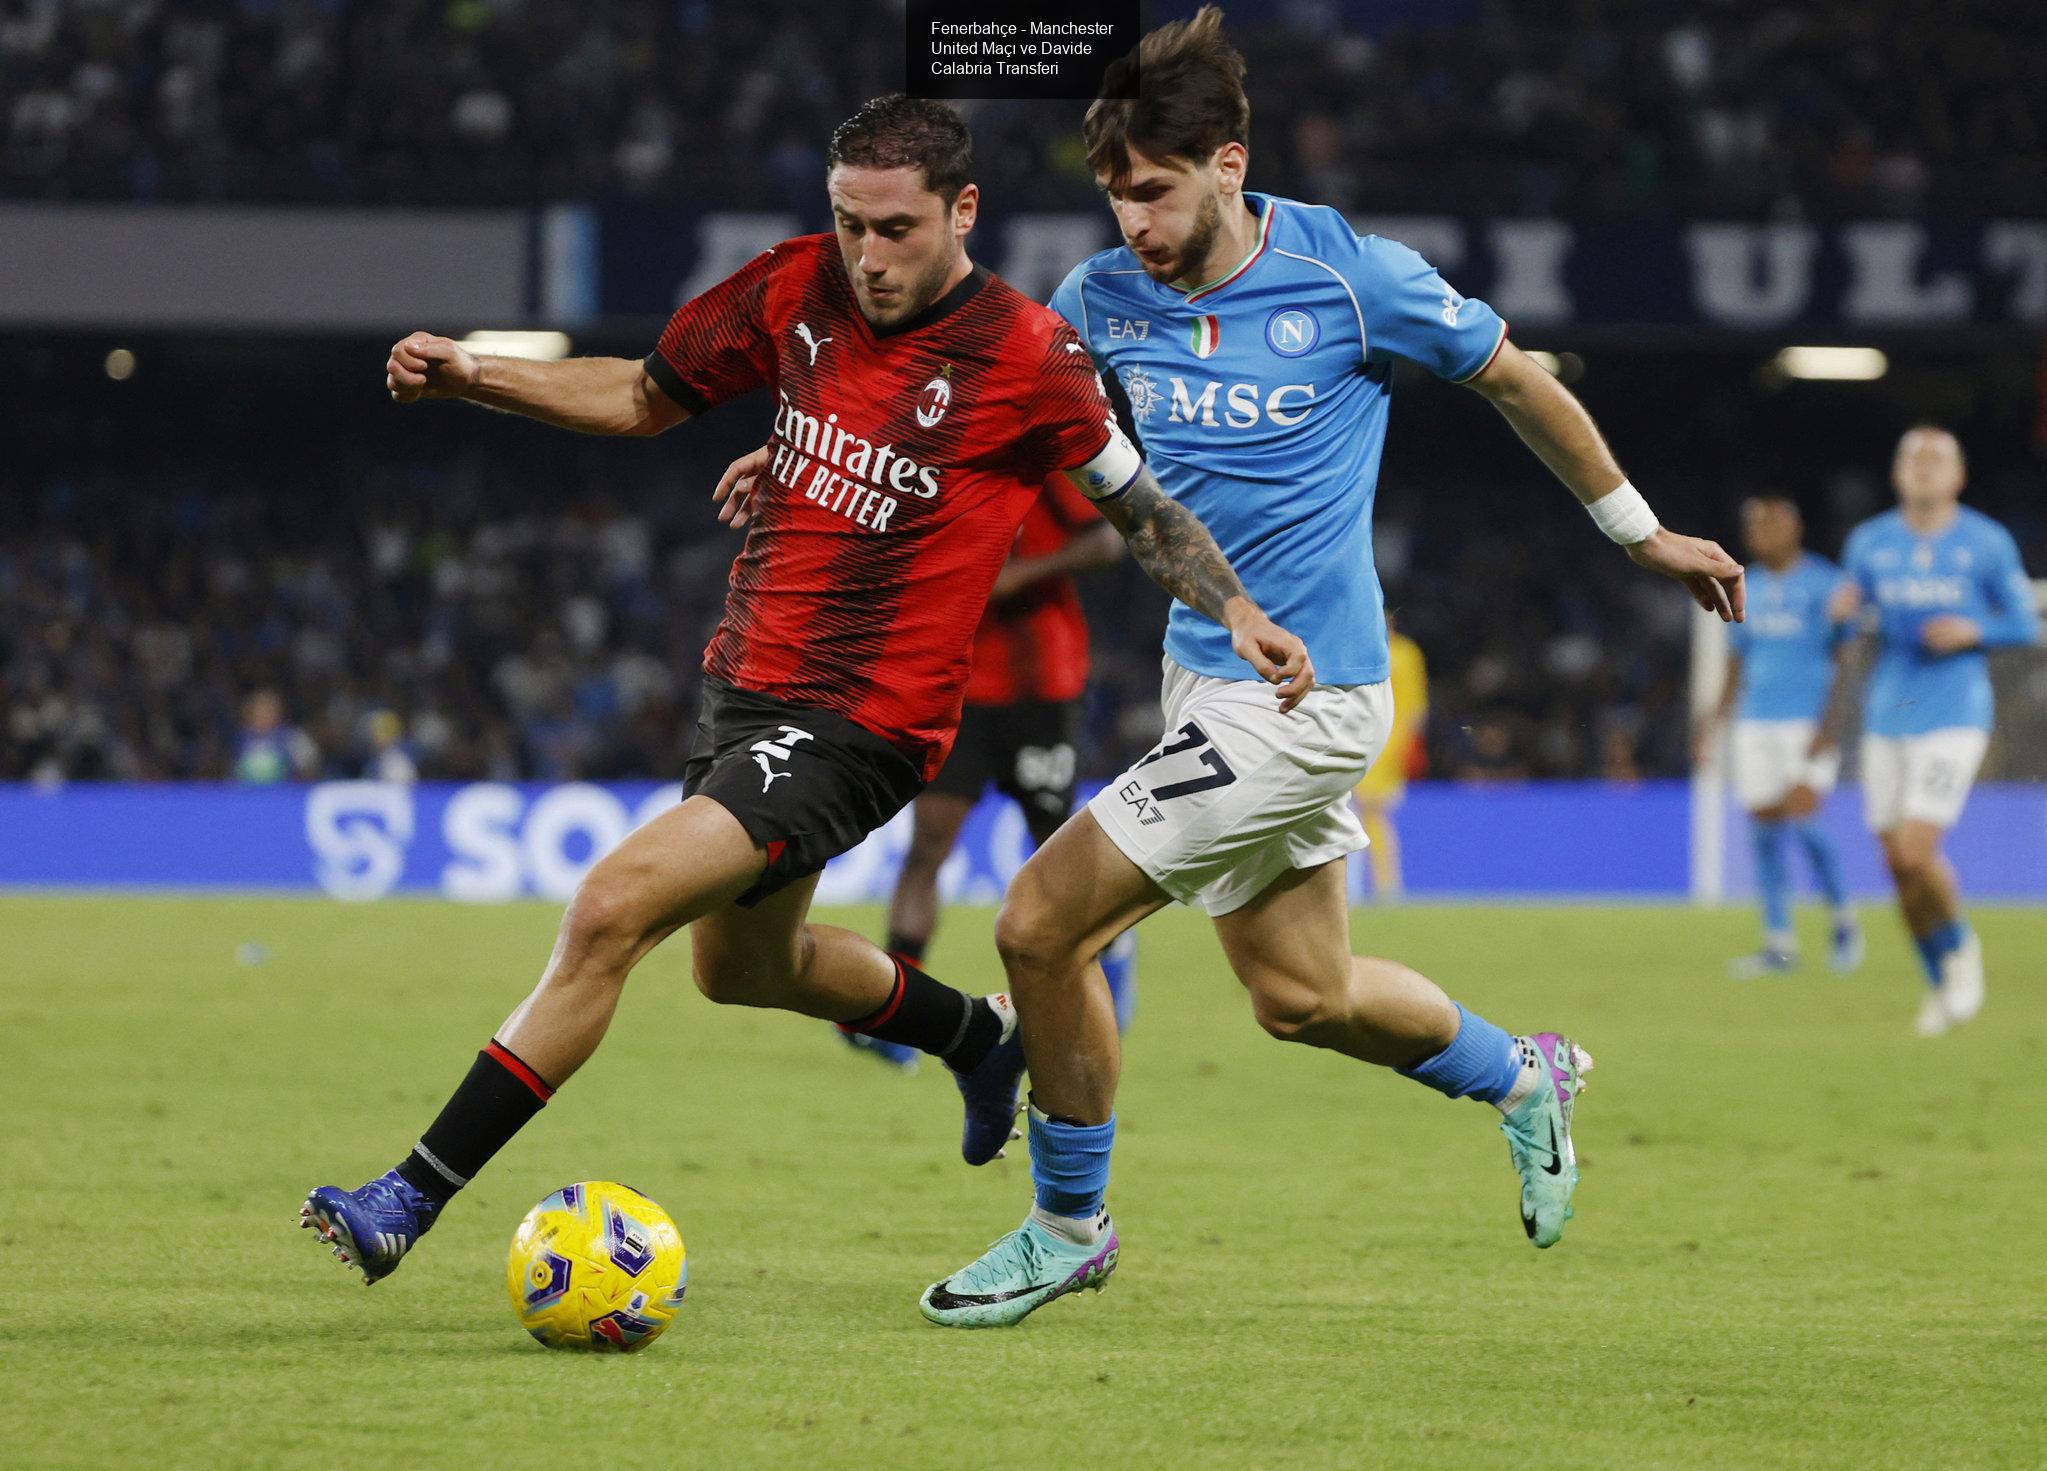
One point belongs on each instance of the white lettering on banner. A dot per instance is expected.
(579, 811)
(725, 242)
(2020, 246)
(1751, 275)
(1438, 239)
(479, 829)
(500, 848)
(1884, 288)
(359, 831)
(1528, 270)
(1038, 250)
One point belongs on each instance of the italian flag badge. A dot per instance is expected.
(1208, 336)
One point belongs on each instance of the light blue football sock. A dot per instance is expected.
(1826, 863)
(1070, 1164)
(1936, 947)
(1773, 879)
(1480, 1062)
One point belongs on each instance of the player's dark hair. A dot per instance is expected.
(1190, 98)
(898, 132)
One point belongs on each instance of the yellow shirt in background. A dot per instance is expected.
(1410, 677)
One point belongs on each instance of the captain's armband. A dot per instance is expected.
(1112, 471)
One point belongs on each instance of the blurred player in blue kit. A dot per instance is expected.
(1255, 340)
(1940, 585)
(1780, 669)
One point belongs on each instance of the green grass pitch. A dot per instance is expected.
(1804, 1237)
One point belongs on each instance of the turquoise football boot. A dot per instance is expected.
(1018, 1275)
(1539, 1137)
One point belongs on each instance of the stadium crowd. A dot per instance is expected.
(476, 617)
(1593, 108)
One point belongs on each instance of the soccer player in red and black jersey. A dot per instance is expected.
(920, 405)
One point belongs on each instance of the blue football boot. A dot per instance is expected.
(898, 1055)
(373, 1226)
(992, 1091)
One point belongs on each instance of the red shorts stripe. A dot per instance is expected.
(511, 1064)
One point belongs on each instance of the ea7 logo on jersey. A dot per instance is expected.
(936, 397)
(782, 748)
(1128, 329)
(1134, 795)
(1287, 403)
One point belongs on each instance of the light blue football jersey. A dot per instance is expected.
(1261, 401)
(1787, 645)
(1971, 568)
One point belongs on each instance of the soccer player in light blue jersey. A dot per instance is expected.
(1940, 585)
(1256, 338)
(1780, 670)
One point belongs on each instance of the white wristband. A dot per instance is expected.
(1623, 515)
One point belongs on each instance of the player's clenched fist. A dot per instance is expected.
(1279, 657)
(424, 366)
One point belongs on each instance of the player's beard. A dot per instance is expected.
(912, 298)
(1192, 255)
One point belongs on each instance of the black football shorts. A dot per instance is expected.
(805, 784)
(1025, 751)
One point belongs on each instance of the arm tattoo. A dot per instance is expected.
(1173, 547)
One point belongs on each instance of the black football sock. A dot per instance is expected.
(911, 950)
(494, 1102)
(931, 1016)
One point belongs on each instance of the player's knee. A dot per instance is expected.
(1909, 860)
(1290, 1012)
(735, 978)
(1027, 936)
(605, 921)
(720, 979)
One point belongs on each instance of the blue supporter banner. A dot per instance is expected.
(1855, 276)
(491, 841)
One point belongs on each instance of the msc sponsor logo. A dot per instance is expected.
(1241, 406)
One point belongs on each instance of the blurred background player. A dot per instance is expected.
(1020, 728)
(1942, 584)
(1380, 794)
(1780, 670)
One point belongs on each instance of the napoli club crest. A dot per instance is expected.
(1290, 331)
(935, 399)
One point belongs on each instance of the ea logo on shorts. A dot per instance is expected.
(934, 400)
(1291, 331)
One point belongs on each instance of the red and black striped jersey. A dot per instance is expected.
(903, 462)
(1034, 646)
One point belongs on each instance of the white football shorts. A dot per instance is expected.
(1236, 793)
(1770, 758)
(1923, 778)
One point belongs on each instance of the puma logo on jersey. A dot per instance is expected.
(782, 748)
(810, 340)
